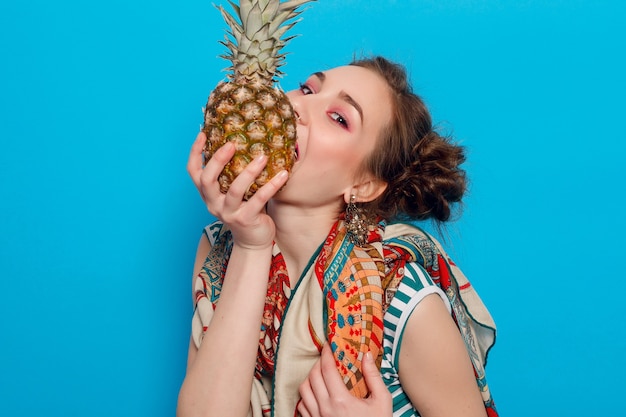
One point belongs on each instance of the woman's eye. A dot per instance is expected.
(305, 89)
(339, 119)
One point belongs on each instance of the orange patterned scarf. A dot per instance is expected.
(352, 280)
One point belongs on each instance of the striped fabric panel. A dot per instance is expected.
(415, 285)
(212, 231)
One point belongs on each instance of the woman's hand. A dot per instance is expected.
(252, 228)
(325, 395)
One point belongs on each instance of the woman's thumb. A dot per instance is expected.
(373, 378)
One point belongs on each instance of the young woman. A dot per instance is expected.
(322, 264)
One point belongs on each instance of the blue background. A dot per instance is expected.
(100, 102)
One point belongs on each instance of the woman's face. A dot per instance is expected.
(341, 113)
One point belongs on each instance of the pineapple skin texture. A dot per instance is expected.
(258, 119)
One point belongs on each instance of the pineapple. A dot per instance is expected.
(247, 108)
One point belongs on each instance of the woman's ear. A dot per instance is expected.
(368, 190)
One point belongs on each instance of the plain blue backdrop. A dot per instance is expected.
(100, 102)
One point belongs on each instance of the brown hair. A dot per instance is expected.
(421, 168)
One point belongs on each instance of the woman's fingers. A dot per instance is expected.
(307, 405)
(324, 393)
(303, 410)
(194, 163)
(333, 381)
(204, 177)
(208, 186)
(244, 181)
(373, 379)
(268, 191)
(317, 383)
(216, 164)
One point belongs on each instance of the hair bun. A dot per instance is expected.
(435, 179)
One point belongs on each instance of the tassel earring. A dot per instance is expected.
(356, 224)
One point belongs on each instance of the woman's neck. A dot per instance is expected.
(300, 232)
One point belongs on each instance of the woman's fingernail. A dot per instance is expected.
(260, 159)
(227, 146)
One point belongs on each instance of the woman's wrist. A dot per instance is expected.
(253, 249)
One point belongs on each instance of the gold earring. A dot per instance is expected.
(356, 223)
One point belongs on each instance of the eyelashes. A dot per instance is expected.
(337, 117)
(305, 89)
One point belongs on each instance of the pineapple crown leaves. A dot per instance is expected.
(256, 39)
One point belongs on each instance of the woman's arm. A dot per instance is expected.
(434, 367)
(204, 246)
(219, 373)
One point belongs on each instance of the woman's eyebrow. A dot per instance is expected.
(320, 75)
(348, 99)
(343, 95)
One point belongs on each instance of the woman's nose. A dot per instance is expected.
(299, 108)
